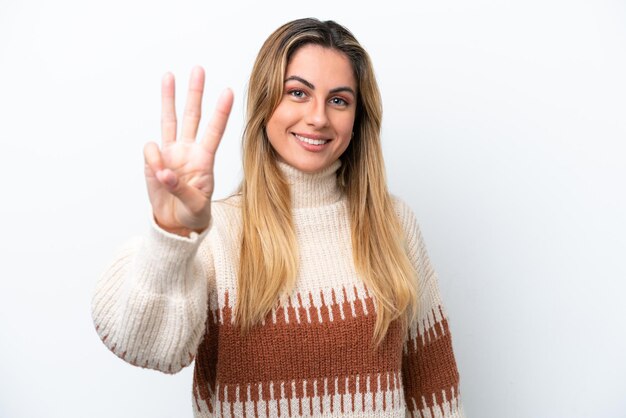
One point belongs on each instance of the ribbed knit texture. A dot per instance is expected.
(166, 300)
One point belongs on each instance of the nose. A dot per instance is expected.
(316, 115)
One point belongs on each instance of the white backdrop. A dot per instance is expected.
(505, 130)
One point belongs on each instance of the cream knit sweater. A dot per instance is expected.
(166, 300)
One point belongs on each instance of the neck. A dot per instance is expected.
(312, 189)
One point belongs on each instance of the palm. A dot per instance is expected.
(179, 176)
(191, 164)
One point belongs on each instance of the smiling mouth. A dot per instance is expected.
(311, 141)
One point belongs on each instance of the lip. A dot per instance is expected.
(311, 147)
(312, 136)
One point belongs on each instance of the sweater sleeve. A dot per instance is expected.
(150, 305)
(429, 371)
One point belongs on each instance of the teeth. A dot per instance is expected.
(311, 141)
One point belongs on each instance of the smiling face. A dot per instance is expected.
(312, 125)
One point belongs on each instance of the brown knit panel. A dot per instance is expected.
(429, 369)
(204, 369)
(288, 353)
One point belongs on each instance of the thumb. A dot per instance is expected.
(189, 196)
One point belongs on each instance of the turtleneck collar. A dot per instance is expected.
(312, 189)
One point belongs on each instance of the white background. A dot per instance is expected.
(504, 130)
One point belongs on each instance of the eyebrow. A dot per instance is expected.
(312, 87)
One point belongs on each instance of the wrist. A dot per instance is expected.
(183, 232)
(180, 231)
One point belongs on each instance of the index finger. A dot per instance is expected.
(217, 124)
(168, 111)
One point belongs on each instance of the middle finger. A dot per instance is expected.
(193, 107)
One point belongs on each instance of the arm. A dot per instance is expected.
(149, 307)
(430, 375)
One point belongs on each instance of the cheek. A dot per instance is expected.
(282, 119)
(344, 126)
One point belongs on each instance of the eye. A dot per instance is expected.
(298, 94)
(338, 101)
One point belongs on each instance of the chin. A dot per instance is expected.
(309, 166)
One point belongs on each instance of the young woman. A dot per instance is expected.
(310, 291)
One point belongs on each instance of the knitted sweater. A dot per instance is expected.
(166, 300)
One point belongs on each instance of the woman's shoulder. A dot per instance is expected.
(228, 203)
(226, 211)
(405, 214)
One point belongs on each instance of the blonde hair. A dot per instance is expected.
(269, 254)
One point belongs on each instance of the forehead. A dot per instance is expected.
(323, 67)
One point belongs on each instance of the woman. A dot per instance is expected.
(310, 291)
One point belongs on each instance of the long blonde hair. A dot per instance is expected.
(269, 254)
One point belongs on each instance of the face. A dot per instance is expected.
(312, 125)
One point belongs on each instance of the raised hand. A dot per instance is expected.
(179, 175)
